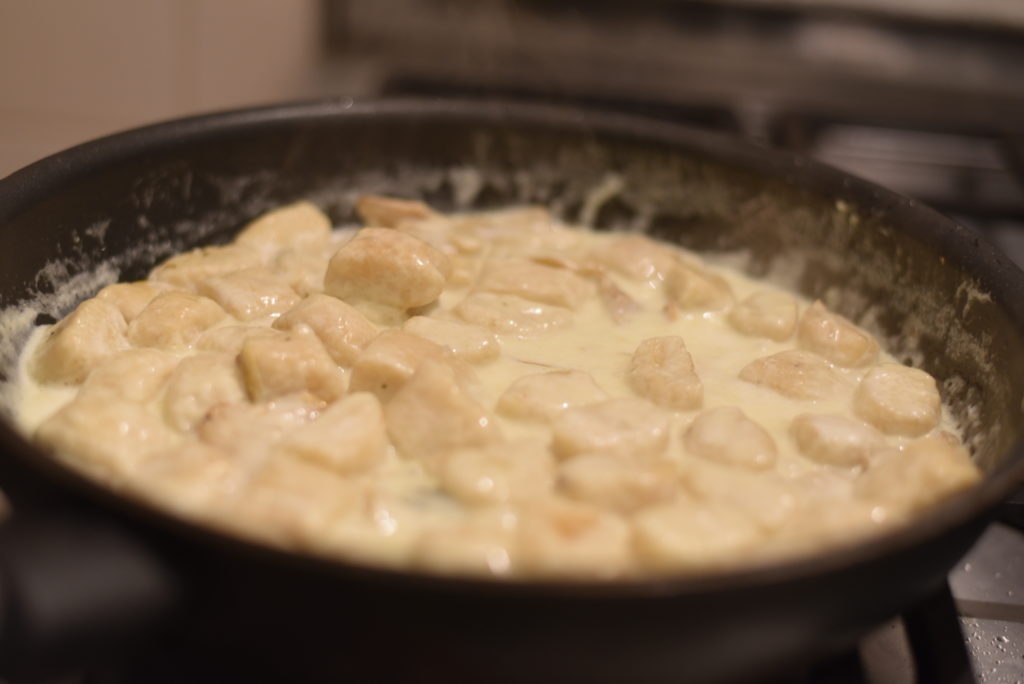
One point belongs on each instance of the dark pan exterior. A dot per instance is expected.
(935, 291)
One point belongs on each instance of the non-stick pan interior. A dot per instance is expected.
(938, 296)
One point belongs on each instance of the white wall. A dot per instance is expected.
(71, 70)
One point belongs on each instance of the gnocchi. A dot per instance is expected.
(494, 393)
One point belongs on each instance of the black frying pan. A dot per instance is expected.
(85, 571)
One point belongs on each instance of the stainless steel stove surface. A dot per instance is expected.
(989, 590)
(988, 594)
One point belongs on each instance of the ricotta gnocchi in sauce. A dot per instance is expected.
(489, 393)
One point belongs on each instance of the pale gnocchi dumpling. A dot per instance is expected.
(432, 415)
(135, 375)
(687, 534)
(766, 313)
(342, 329)
(174, 320)
(293, 362)
(296, 501)
(349, 436)
(464, 341)
(110, 436)
(492, 393)
(535, 282)
(627, 427)
(187, 270)
(188, 478)
(250, 293)
(636, 256)
(926, 470)
(725, 434)
(543, 396)
(835, 439)
(833, 337)
(796, 374)
(390, 360)
(898, 400)
(251, 430)
(385, 267)
(499, 472)
(474, 546)
(618, 484)
(693, 288)
(391, 212)
(662, 370)
(558, 537)
(132, 298)
(301, 225)
(198, 384)
(89, 336)
(510, 314)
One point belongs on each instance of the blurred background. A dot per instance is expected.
(924, 96)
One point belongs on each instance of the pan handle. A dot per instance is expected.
(75, 590)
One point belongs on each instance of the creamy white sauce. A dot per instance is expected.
(400, 511)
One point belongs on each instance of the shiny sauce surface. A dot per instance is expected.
(492, 394)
